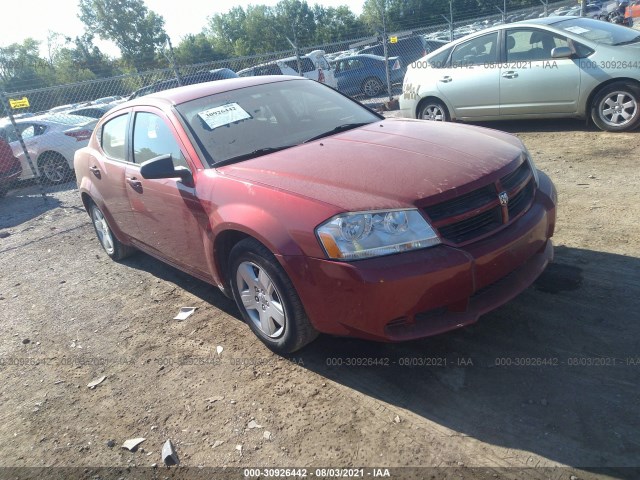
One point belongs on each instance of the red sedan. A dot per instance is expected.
(10, 168)
(316, 214)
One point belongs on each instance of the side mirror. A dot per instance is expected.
(162, 167)
(561, 52)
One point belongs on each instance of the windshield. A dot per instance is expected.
(599, 31)
(257, 120)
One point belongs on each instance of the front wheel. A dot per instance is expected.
(616, 108)
(114, 248)
(267, 299)
(433, 110)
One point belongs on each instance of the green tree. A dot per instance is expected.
(227, 29)
(295, 20)
(21, 67)
(336, 24)
(137, 31)
(196, 49)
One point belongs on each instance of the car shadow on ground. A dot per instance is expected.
(24, 204)
(195, 286)
(554, 372)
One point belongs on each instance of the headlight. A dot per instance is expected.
(534, 170)
(357, 235)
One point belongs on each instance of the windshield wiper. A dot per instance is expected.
(338, 129)
(634, 40)
(256, 153)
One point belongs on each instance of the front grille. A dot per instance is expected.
(515, 178)
(463, 203)
(521, 200)
(472, 227)
(477, 213)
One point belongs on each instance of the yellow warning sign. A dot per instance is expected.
(393, 39)
(21, 103)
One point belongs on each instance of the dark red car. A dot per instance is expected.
(10, 168)
(317, 214)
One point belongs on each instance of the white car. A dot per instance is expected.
(52, 141)
(314, 65)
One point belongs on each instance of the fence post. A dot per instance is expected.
(7, 107)
(172, 59)
(451, 33)
(385, 49)
(546, 7)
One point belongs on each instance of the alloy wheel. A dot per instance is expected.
(434, 113)
(261, 299)
(102, 230)
(618, 108)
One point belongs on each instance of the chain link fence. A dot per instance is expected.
(44, 127)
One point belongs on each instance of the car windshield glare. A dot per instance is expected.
(598, 31)
(252, 121)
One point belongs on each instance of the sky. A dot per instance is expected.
(181, 17)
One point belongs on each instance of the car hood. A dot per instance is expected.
(387, 164)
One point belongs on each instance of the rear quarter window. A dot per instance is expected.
(113, 137)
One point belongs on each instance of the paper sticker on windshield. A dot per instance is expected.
(576, 29)
(223, 115)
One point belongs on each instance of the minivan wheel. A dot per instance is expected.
(372, 87)
(267, 299)
(114, 248)
(433, 110)
(616, 108)
(55, 168)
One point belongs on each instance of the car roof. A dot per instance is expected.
(545, 20)
(363, 55)
(176, 96)
(54, 118)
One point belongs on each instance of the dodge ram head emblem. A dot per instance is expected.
(504, 198)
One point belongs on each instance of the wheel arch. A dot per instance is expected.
(588, 106)
(88, 200)
(222, 246)
(439, 99)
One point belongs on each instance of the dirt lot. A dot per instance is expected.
(69, 315)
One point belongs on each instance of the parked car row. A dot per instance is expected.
(313, 65)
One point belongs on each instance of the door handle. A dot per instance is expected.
(95, 170)
(446, 79)
(510, 74)
(134, 182)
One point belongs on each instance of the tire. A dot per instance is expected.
(372, 87)
(616, 107)
(114, 248)
(54, 168)
(267, 299)
(433, 110)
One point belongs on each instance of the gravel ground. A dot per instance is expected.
(69, 315)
